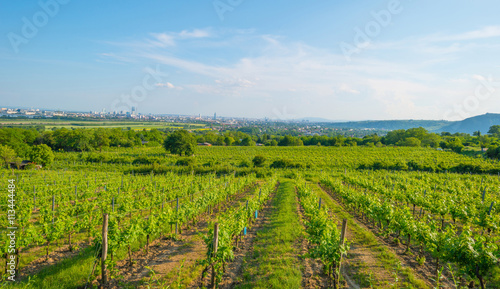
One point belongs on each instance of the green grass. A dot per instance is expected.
(273, 263)
(69, 273)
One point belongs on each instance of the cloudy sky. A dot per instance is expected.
(340, 60)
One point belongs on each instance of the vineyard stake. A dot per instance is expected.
(319, 208)
(104, 249)
(215, 245)
(53, 202)
(342, 238)
(177, 212)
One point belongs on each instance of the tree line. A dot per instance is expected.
(33, 144)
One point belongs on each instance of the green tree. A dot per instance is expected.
(410, 142)
(289, 140)
(180, 142)
(228, 140)
(431, 140)
(7, 154)
(101, 138)
(455, 144)
(495, 131)
(247, 141)
(484, 141)
(42, 154)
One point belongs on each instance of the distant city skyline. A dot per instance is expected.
(347, 60)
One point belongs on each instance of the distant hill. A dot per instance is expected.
(480, 123)
(468, 125)
(431, 125)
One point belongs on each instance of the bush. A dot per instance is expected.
(285, 164)
(258, 161)
(145, 160)
(244, 164)
(185, 162)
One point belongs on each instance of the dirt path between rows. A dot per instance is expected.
(233, 273)
(369, 257)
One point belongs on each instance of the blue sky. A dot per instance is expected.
(349, 60)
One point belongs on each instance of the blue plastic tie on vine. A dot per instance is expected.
(245, 231)
(256, 214)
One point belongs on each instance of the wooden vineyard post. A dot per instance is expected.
(104, 250)
(53, 207)
(342, 241)
(216, 244)
(319, 204)
(177, 219)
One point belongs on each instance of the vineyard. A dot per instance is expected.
(309, 217)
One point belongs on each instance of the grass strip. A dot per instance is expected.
(273, 262)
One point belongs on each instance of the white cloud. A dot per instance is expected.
(163, 39)
(195, 33)
(346, 88)
(485, 32)
(317, 82)
(166, 84)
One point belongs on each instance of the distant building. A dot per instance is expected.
(206, 144)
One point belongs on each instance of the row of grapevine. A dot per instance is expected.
(68, 215)
(123, 234)
(230, 226)
(472, 251)
(322, 231)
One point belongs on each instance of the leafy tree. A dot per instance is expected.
(394, 136)
(493, 152)
(42, 154)
(101, 138)
(289, 140)
(410, 142)
(484, 141)
(431, 140)
(180, 142)
(228, 140)
(7, 154)
(247, 141)
(455, 144)
(495, 131)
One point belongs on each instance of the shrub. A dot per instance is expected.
(259, 161)
(185, 162)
